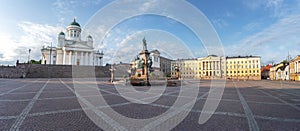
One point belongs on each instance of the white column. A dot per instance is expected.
(86, 58)
(70, 58)
(91, 58)
(64, 57)
(296, 66)
(81, 58)
(75, 59)
(43, 60)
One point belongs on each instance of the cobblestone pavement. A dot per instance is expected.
(51, 104)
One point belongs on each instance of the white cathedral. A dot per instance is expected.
(71, 50)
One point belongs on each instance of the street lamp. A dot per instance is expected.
(29, 50)
(148, 63)
(50, 53)
(176, 68)
(112, 70)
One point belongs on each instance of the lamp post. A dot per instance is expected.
(50, 53)
(112, 70)
(237, 71)
(148, 63)
(29, 50)
(177, 71)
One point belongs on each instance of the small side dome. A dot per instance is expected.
(61, 33)
(74, 23)
(89, 36)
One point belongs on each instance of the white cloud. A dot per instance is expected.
(273, 43)
(221, 23)
(131, 44)
(276, 8)
(251, 26)
(7, 47)
(147, 5)
(68, 8)
(62, 8)
(255, 4)
(33, 36)
(228, 14)
(284, 28)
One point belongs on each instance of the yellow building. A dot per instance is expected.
(295, 69)
(273, 71)
(243, 67)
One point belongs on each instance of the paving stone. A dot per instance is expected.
(6, 124)
(55, 104)
(269, 125)
(17, 96)
(61, 121)
(282, 111)
(215, 123)
(57, 107)
(12, 108)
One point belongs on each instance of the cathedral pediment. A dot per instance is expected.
(81, 45)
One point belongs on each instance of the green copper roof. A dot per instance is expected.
(61, 33)
(74, 23)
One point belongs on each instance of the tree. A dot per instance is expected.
(35, 62)
(284, 62)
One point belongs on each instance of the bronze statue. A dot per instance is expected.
(144, 44)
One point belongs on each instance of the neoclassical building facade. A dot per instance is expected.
(209, 67)
(295, 68)
(215, 67)
(72, 50)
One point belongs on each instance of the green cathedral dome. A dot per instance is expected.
(61, 33)
(74, 23)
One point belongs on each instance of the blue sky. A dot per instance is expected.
(269, 28)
